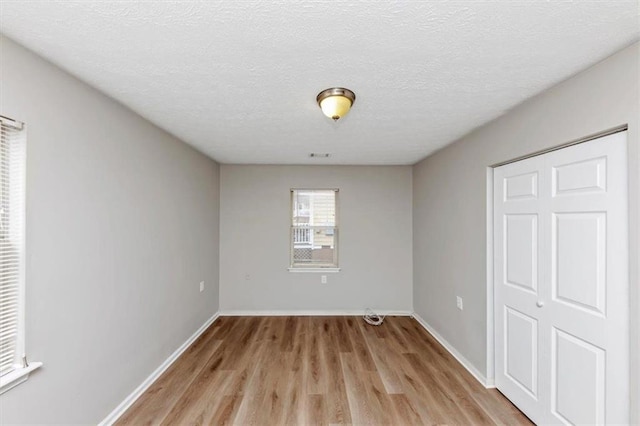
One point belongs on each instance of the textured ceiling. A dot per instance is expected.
(238, 79)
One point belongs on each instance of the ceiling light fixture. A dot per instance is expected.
(336, 102)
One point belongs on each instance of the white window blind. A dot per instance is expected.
(12, 171)
(314, 228)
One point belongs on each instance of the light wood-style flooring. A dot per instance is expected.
(318, 370)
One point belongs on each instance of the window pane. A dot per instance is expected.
(313, 246)
(314, 207)
(313, 228)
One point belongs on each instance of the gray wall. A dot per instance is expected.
(374, 248)
(122, 225)
(450, 197)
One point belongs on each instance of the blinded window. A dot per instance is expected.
(12, 159)
(314, 228)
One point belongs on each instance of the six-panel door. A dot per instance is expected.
(561, 283)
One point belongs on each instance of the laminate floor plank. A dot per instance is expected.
(361, 410)
(360, 349)
(405, 411)
(383, 354)
(336, 402)
(318, 370)
(198, 405)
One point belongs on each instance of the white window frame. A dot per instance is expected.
(21, 367)
(318, 267)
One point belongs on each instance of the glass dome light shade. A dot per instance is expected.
(336, 102)
(335, 107)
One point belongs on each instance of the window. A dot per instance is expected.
(13, 369)
(314, 229)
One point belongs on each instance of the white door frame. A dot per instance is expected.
(490, 376)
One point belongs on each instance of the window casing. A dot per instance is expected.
(314, 229)
(14, 368)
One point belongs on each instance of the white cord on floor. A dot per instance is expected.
(372, 318)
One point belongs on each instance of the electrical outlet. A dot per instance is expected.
(323, 279)
(201, 286)
(459, 302)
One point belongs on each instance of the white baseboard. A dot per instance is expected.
(457, 355)
(308, 313)
(129, 400)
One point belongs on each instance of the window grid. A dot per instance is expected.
(314, 228)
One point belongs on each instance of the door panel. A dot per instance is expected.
(561, 283)
(521, 251)
(518, 245)
(577, 380)
(580, 177)
(521, 335)
(521, 187)
(578, 265)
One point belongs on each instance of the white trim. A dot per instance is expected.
(17, 376)
(129, 400)
(308, 313)
(490, 287)
(457, 355)
(319, 270)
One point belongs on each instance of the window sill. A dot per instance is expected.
(316, 270)
(13, 379)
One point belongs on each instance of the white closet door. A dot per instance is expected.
(561, 283)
